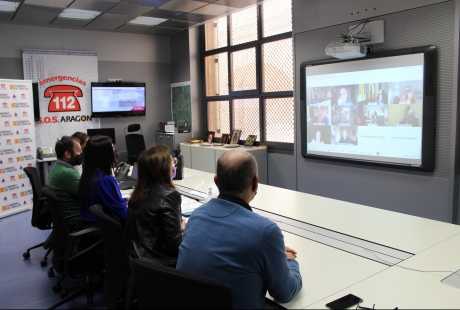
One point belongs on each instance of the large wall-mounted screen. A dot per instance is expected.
(117, 99)
(377, 110)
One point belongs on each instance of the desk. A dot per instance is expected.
(329, 273)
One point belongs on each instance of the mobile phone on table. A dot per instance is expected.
(344, 302)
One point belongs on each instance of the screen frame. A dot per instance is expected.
(429, 108)
(118, 113)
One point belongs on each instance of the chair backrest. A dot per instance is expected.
(60, 231)
(160, 287)
(42, 221)
(117, 264)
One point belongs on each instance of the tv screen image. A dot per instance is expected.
(377, 110)
(118, 99)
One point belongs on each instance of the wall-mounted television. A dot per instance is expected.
(377, 110)
(117, 99)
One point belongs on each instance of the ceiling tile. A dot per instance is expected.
(161, 31)
(163, 14)
(176, 24)
(108, 21)
(214, 9)
(237, 3)
(93, 5)
(132, 28)
(6, 17)
(182, 5)
(150, 3)
(33, 19)
(68, 22)
(39, 10)
(196, 18)
(52, 3)
(129, 9)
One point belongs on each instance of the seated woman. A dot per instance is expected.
(153, 227)
(83, 137)
(97, 185)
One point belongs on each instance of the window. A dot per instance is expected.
(249, 73)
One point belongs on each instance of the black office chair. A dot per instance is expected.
(68, 259)
(161, 287)
(41, 213)
(135, 143)
(118, 291)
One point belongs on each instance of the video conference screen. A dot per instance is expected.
(370, 109)
(118, 99)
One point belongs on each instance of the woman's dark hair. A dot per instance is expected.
(99, 156)
(81, 136)
(154, 167)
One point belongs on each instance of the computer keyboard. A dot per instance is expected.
(127, 184)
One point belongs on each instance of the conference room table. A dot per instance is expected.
(386, 258)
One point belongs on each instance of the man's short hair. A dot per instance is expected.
(63, 145)
(236, 178)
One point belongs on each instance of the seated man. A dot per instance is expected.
(64, 178)
(224, 240)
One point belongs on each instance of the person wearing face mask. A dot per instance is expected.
(154, 225)
(65, 179)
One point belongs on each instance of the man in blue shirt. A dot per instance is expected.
(224, 240)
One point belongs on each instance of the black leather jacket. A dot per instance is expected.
(153, 230)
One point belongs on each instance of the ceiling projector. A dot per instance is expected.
(346, 50)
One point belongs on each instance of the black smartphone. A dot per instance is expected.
(344, 302)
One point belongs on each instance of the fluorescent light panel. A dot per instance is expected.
(147, 21)
(10, 7)
(79, 14)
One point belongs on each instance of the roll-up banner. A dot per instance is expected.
(17, 145)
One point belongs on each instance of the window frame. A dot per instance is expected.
(247, 94)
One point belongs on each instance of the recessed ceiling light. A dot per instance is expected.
(79, 14)
(6, 6)
(147, 21)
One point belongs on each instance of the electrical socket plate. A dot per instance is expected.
(376, 28)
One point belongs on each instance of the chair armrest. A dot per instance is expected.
(71, 216)
(82, 232)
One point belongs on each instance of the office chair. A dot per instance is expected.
(118, 291)
(135, 143)
(41, 214)
(161, 287)
(68, 259)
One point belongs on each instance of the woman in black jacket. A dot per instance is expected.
(153, 227)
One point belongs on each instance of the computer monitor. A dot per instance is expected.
(103, 132)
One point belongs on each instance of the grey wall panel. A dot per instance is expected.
(315, 14)
(281, 170)
(196, 85)
(157, 78)
(432, 24)
(180, 46)
(109, 46)
(180, 71)
(11, 68)
(410, 194)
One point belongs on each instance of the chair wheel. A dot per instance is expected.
(26, 255)
(64, 294)
(50, 273)
(43, 263)
(57, 288)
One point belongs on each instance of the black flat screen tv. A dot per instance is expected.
(118, 99)
(377, 110)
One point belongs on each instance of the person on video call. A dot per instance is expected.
(408, 97)
(321, 118)
(342, 119)
(317, 138)
(381, 98)
(343, 98)
(410, 119)
(345, 138)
